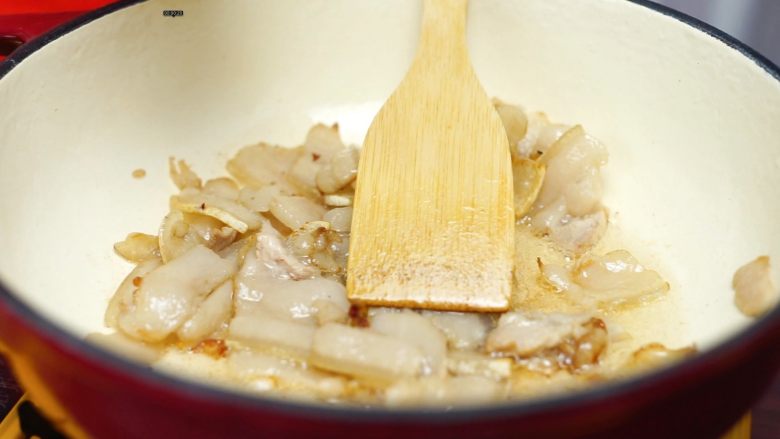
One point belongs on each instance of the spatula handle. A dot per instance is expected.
(443, 36)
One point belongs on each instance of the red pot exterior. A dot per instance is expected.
(698, 399)
(22, 20)
(107, 397)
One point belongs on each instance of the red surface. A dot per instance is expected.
(13, 7)
(699, 401)
(26, 19)
(28, 26)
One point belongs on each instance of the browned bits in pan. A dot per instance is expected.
(358, 316)
(215, 348)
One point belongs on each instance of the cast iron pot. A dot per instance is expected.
(690, 117)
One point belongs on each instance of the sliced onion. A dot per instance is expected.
(263, 330)
(211, 315)
(323, 141)
(340, 219)
(229, 212)
(183, 177)
(617, 277)
(548, 135)
(550, 341)
(339, 172)
(303, 174)
(277, 259)
(463, 330)
(258, 200)
(123, 298)
(527, 146)
(294, 212)
(262, 164)
(418, 331)
(524, 333)
(170, 294)
(514, 121)
(364, 354)
(222, 187)
(558, 277)
(301, 300)
(528, 176)
(567, 160)
(138, 247)
(175, 237)
(579, 234)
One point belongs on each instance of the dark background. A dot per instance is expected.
(754, 22)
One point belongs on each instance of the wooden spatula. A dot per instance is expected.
(433, 223)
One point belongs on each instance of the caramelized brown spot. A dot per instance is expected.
(137, 281)
(590, 346)
(202, 206)
(213, 347)
(358, 316)
(574, 354)
(315, 156)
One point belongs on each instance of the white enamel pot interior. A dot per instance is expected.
(690, 124)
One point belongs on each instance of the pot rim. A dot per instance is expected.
(750, 339)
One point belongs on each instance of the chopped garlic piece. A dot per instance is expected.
(337, 200)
